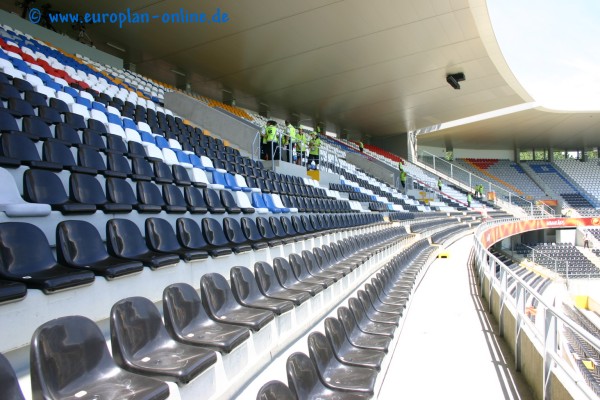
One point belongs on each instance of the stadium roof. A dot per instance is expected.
(377, 67)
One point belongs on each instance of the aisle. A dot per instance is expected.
(447, 348)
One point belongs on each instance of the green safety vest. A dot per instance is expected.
(291, 138)
(302, 140)
(403, 176)
(314, 146)
(271, 134)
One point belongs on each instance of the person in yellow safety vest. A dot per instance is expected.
(289, 141)
(400, 167)
(270, 140)
(403, 178)
(301, 145)
(361, 147)
(313, 148)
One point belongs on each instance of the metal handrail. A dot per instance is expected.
(502, 194)
(554, 319)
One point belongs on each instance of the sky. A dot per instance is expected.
(553, 49)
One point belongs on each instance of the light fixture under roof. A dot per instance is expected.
(177, 72)
(116, 47)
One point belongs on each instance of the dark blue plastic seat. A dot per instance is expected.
(79, 245)
(161, 238)
(288, 279)
(37, 269)
(125, 240)
(190, 236)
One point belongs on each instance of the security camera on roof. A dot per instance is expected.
(453, 79)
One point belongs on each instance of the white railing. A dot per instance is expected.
(547, 333)
(503, 196)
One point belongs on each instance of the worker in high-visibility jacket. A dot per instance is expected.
(301, 146)
(289, 142)
(313, 148)
(270, 140)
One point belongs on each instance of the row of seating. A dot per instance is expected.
(344, 361)
(195, 326)
(81, 252)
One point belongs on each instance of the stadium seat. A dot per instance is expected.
(86, 189)
(246, 292)
(11, 202)
(357, 337)
(287, 279)
(253, 234)
(138, 335)
(195, 200)
(305, 383)
(161, 238)
(150, 198)
(215, 236)
(220, 304)
(69, 357)
(345, 352)
(9, 381)
(213, 201)
(37, 269)
(267, 233)
(191, 237)
(187, 322)
(275, 390)
(17, 149)
(336, 375)
(79, 245)
(230, 204)
(174, 200)
(374, 314)
(366, 324)
(125, 240)
(235, 234)
(35, 128)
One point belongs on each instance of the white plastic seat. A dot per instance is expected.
(153, 151)
(143, 126)
(132, 135)
(98, 116)
(80, 109)
(243, 201)
(241, 182)
(66, 97)
(174, 144)
(279, 204)
(11, 202)
(116, 130)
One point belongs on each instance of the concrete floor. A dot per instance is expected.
(448, 348)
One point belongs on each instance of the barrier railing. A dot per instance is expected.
(469, 180)
(551, 321)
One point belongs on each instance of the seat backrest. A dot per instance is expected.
(135, 328)
(10, 192)
(217, 297)
(33, 126)
(190, 234)
(288, 226)
(19, 147)
(182, 307)
(265, 229)
(149, 193)
(66, 351)
(213, 232)
(17, 239)
(298, 266)
(79, 243)
(302, 375)
(335, 333)
(243, 284)
(194, 197)
(250, 229)
(86, 189)
(321, 257)
(265, 277)
(298, 225)
(173, 196)
(229, 202)
(124, 238)
(163, 172)
(284, 272)
(233, 231)
(320, 350)
(9, 381)
(119, 191)
(275, 390)
(212, 198)
(258, 201)
(160, 235)
(277, 227)
(347, 319)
